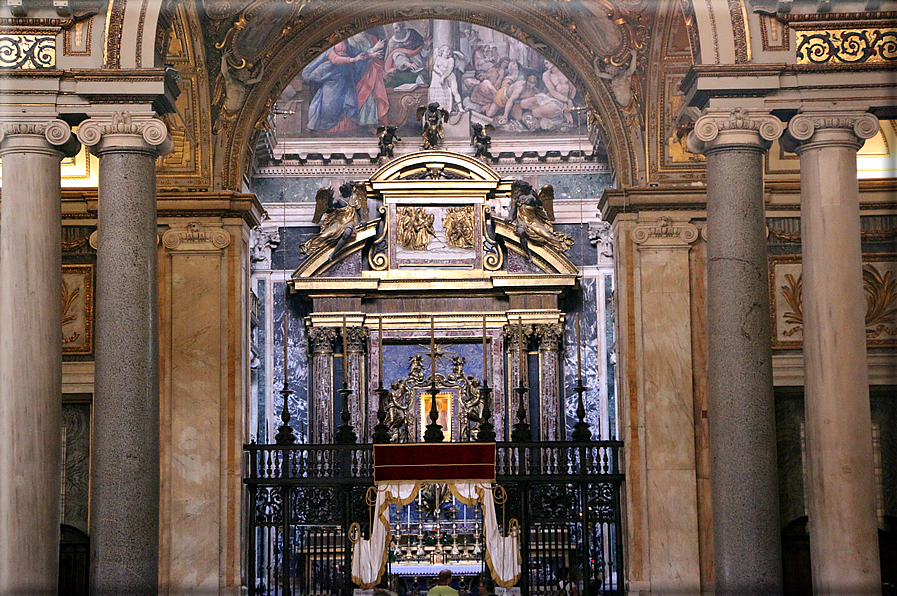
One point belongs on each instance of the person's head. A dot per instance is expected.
(532, 81)
(487, 586)
(444, 577)
(513, 67)
(398, 27)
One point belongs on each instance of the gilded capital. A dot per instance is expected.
(718, 128)
(195, 236)
(356, 339)
(829, 128)
(124, 130)
(549, 335)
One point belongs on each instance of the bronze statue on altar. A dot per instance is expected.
(480, 140)
(338, 216)
(433, 120)
(387, 139)
(532, 215)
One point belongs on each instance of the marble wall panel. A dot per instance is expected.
(76, 464)
(673, 542)
(585, 307)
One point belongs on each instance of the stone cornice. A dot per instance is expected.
(126, 131)
(718, 129)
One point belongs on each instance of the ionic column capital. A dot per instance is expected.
(125, 131)
(37, 133)
(829, 128)
(739, 128)
(665, 233)
(195, 237)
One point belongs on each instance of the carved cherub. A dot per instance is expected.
(338, 216)
(480, 140)
(432, 119)
(388, 137)
(532, 215)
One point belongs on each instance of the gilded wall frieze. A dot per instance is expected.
(195, 236)
(27, 52)
(847, 46)
(664, 233)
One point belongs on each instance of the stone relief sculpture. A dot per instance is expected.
(338, 217)
(620, 78)
(233, 86)
(532, 215)
(262, 242)
(433, 120)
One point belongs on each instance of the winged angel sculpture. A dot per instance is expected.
(339, 217)
(432, 119)
(532, 215)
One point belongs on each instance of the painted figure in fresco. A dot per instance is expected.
(388, 137)
(443, 82)
(558, 101)
(352, 92)
(480, 140)
(432, 118)
(532, 215)
(338, 216)
(405, 50)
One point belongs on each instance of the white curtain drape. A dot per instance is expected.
(369, 555)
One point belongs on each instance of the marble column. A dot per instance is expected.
(124, 507)
(552, 413)
(741, 410)
(30, 353)
(357, 338)
(840, 491)
(320, 418)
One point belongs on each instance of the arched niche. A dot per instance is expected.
(549, 29)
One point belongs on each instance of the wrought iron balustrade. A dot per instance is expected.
(303, 498)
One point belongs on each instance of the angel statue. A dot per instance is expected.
(338, 217)
(480, 140)
(532, 215)
(432, 118)
(388, 137)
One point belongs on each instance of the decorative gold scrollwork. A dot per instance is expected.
(27, 52)
(846, 46)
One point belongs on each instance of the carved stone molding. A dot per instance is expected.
(549, 335)
(719, 129)
(320, 339)
(195, 236)
(126, 131)
(664, 233)
(58, 134)
(829, 128)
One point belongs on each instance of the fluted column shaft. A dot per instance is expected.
(30, 355)
(841, 494)
(124, 506)
(744, 478)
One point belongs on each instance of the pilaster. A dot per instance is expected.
(551, 414)
(356, 342)
(320, 419)
(840, 491)
(30, 352)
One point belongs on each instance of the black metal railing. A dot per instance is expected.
(303, 498)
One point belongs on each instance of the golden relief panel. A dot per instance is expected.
(786, 300)
(77, 309)
(27, 52)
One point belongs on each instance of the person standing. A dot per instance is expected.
(442, 587)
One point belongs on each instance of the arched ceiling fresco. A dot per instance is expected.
(381, 76)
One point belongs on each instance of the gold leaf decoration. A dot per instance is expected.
(881, 295)
(792, 293)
